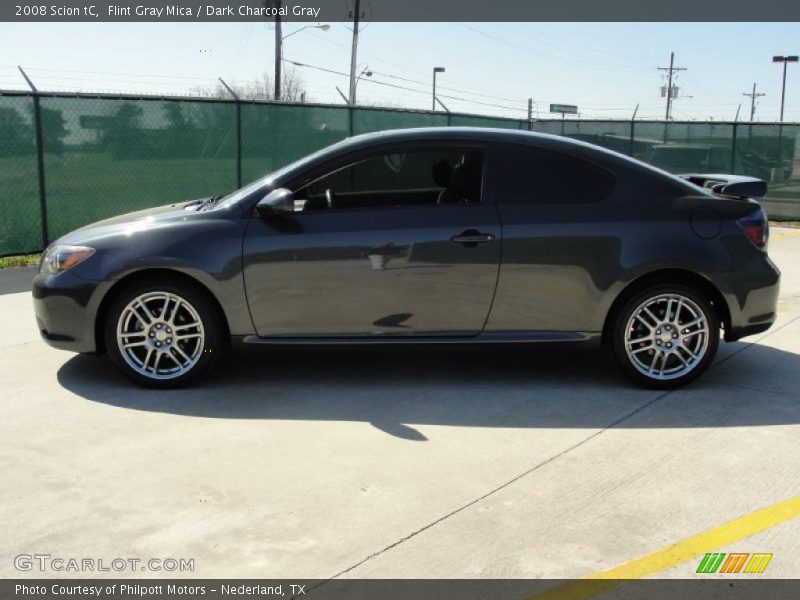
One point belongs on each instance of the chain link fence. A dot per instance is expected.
(69, 160)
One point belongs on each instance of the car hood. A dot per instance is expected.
(130, 223)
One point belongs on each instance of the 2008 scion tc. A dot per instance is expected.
(440, 235)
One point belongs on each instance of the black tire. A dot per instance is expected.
(653, 350)
(204, 346)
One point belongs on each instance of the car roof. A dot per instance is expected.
(487, 134)
(459, 133)
(616, 161)
(491, 134)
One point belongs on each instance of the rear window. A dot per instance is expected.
(527, 175)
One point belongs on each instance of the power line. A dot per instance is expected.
(583, 49)
(401, 87)
(574, 62)
(461, 89)
(452, 89)
(31, 69)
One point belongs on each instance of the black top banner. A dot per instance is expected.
(400, 10)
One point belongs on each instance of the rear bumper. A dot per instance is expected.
(66, 308)
(737, 333)
(751, 294)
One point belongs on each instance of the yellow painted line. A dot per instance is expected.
(678, 553)
(785, 232)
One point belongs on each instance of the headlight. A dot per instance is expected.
(60, 258)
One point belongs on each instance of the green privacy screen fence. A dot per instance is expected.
(68, 160)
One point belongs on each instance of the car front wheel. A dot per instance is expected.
(163, 335)
(665, 336)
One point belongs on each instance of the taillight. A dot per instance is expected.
(756, 227)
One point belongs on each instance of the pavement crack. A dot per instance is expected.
(755, 341)
(9, 346)
(500, 487)
(539, 465)
(750, 388)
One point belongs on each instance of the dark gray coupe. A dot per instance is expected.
(444, 235)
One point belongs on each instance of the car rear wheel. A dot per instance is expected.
(665, 336)
(163, 335)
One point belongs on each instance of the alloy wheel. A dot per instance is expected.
(666, 336)
(160, 335)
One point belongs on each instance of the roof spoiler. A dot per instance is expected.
(729, 185)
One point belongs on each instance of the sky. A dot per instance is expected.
(606, 69)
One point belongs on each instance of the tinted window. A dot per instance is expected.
(413, 177)
(534, 176)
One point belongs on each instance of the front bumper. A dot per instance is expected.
(66, 308)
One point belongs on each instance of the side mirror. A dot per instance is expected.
(277, 202)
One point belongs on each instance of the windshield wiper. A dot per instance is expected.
(208, 203)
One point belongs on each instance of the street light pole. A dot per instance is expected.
(278, 51)
(354, 51)
(433, 98)
(784, 60)
(365, 72)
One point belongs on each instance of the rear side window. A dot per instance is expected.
(527, 175)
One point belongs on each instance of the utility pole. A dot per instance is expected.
(784, 60)
(671, 69)
(753, 95)
(278, 50)
(530, 110)
(354, 52)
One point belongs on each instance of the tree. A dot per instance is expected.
(176, 116)
(16, 136)
(54, 130)
(123, 134)
(260, 89)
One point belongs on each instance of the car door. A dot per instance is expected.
(398, 242)
(560, 241)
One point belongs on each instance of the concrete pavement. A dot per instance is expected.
(396, 462)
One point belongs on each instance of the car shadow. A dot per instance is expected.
(553, 386)
(17, 279)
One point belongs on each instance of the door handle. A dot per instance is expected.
(472, 237)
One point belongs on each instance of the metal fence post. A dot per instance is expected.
(733, 147)
(350, 119)
(238, 143)
(37, 115)
(238, 131)
(633, 137)
(37, 118)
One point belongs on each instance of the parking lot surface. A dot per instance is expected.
(403, 462)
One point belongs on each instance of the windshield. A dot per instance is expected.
(244, 192)
(268, 179)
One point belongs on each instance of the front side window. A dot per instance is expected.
(528, 175)
(396, 179)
